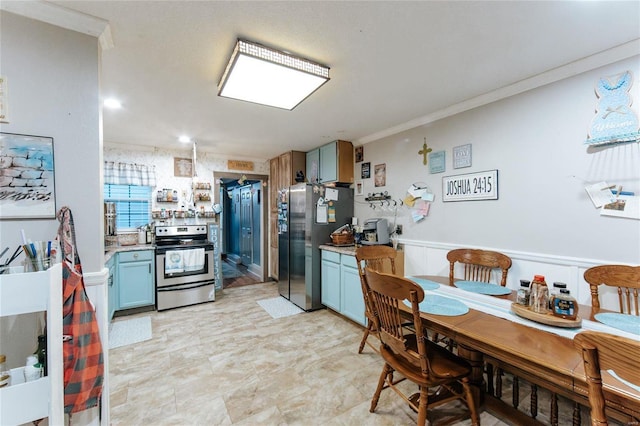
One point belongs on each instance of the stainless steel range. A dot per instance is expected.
(184, 265)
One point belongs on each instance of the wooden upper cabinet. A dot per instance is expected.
(274, 183)
(289, 164)
(332, 162)
(284, 170)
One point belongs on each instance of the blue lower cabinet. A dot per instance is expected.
(330, 283)
(341, 289)
(136, 281)
(351, 295)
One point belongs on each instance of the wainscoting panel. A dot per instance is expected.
(430, 258)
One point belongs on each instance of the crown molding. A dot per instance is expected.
(597, 60)
(62, 17)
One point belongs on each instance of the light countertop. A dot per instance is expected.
(111, 250)
(348, 250)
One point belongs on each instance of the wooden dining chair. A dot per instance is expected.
(603, 352)
(377, 258)
(413, 356)
(479, 265)
(625, 278)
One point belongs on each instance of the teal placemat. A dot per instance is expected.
(438, 305)
(424, 283)
(482, 288)
(628, 323)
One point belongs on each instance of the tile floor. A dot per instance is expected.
(228, 362)
(236, 275)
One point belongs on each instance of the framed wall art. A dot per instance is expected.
(359, 153)
(437, 162)
(27, 187)
(380, 174)
(462, 156)
(365, 171)
(359, 188)
(471, 186)
(182, 167)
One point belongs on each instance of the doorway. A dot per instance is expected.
(243, 225)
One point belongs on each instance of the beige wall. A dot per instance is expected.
(536, 141)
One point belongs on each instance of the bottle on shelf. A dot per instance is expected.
(41, 352)
(32, 370)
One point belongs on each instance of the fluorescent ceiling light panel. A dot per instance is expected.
(261, 75)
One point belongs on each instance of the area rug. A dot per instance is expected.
(128, 332)
(279, 307)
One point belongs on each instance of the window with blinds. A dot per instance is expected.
(133, 205)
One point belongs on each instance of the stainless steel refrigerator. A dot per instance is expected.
(306, 219)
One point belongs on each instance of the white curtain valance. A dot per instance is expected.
(129, 174)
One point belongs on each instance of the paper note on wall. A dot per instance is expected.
(623, 206)
(600, 194)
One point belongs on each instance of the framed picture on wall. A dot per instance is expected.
(365, 171)
(437, 162)
(359, 153)
(462, 156)
(182, 167)
(380, 174)
(27, 189)
(359, 188)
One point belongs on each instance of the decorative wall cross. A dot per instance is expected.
(424, 152)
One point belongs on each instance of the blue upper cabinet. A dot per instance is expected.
(332, 162)
(313, 166)
(329, 162)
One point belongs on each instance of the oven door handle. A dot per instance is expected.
(185, 286)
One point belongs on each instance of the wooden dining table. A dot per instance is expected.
(542, 358)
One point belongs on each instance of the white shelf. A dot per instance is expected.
(23, 293)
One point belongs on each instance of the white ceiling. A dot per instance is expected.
(393, 64)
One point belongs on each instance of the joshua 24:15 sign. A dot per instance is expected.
(471, 186)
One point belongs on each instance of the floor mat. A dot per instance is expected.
(128, 332)
(279, 307)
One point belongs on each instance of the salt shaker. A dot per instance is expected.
(523, 293)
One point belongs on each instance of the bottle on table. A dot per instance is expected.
(554, 291)
(524, 293)
(539, 298)
(564, 305)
